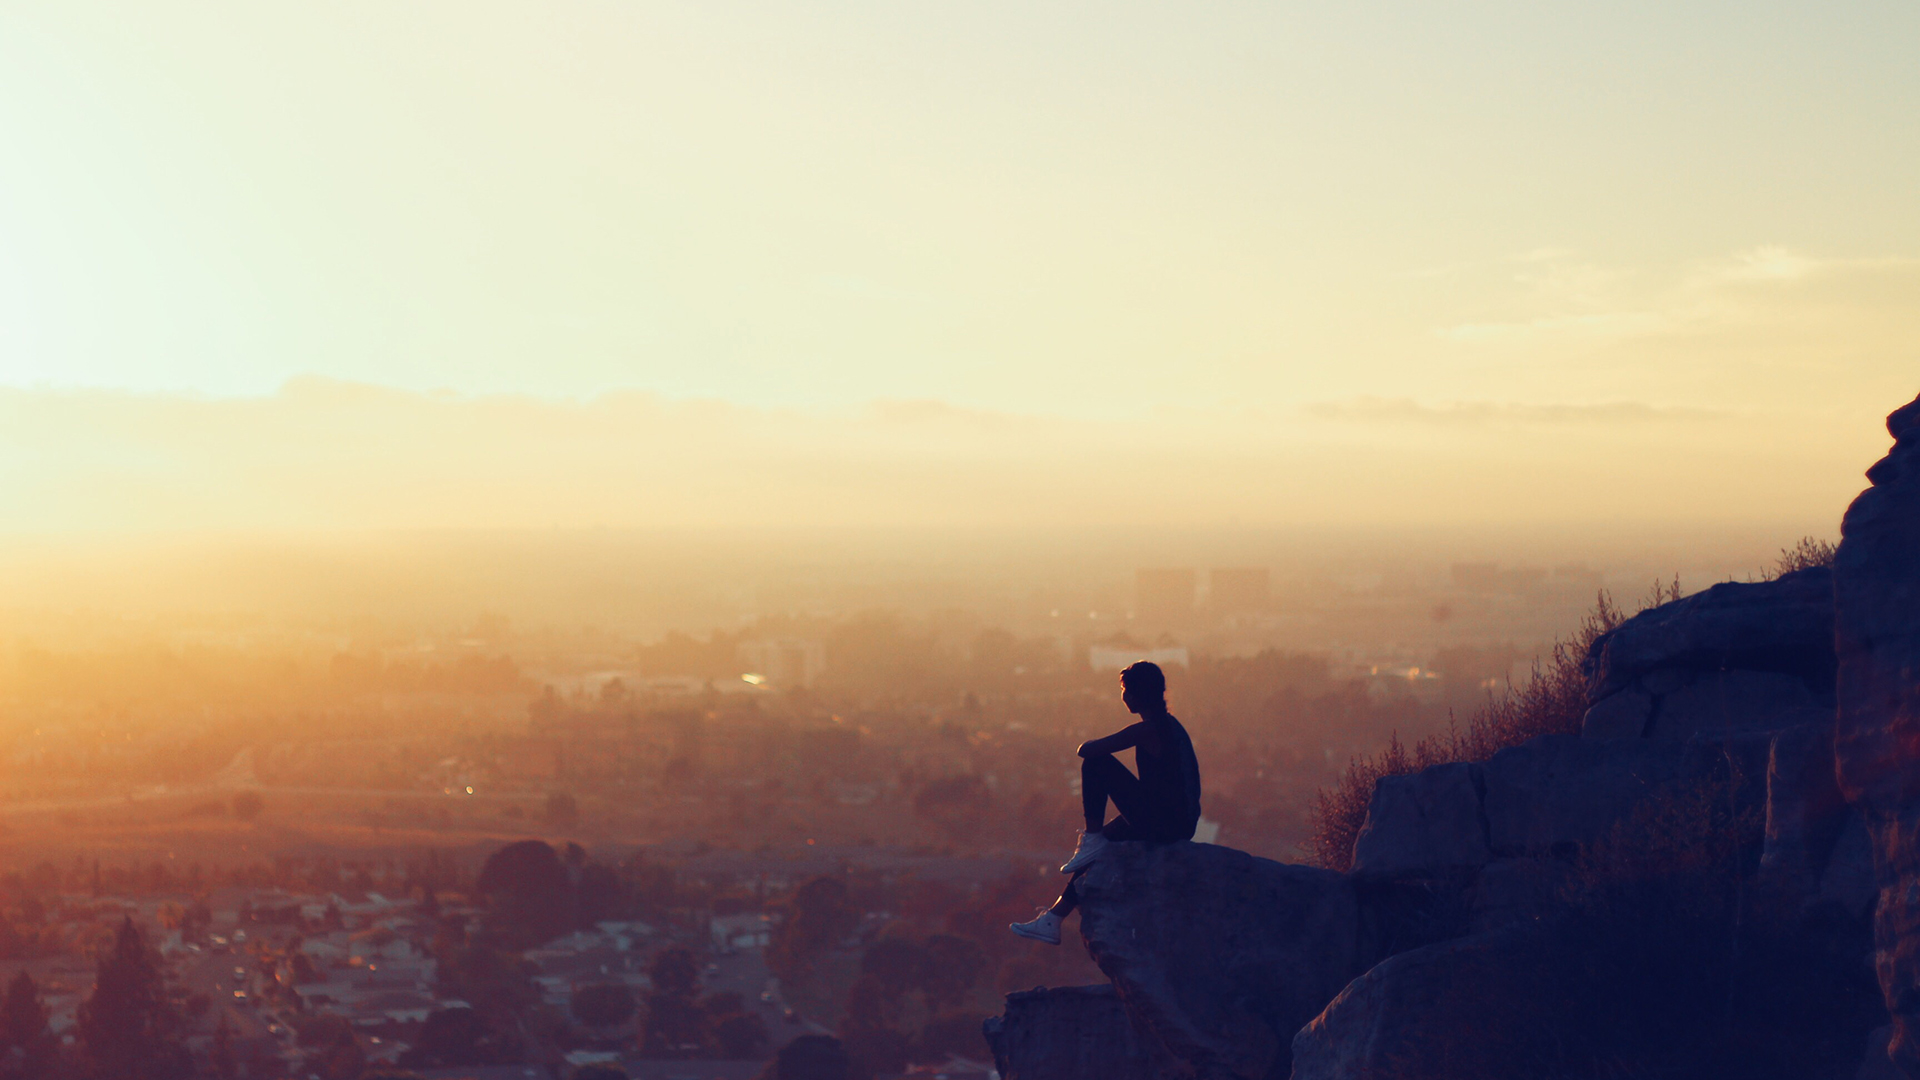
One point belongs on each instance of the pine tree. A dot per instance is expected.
(23, 1016)
(26, 1045)
(129, 1029)
(220, 1057)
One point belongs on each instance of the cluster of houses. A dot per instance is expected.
(265, 963)
(609, 953)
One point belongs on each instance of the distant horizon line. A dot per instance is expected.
(318, 387)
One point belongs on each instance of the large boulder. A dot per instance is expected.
(1848, 881)
(1875, 1065)
(1218, 956)
(1484, 1007)
(1556, 793)
(1516, 892)
(1065, 1033)
(1424, 824)
(1877, 738)
(1805, 811)
(1548, 796)
(1739, 657)
(1647, 968)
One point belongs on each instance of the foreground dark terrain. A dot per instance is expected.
(1700, 869)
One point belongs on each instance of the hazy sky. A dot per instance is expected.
(1669, 243)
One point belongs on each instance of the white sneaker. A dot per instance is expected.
(1044, 928)
(1091, 845)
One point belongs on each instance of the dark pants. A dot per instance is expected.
(1141, 815)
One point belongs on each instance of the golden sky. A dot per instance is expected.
(379, 264)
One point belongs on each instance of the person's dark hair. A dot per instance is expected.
(1147, 678)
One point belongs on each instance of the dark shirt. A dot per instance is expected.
(1163, 754)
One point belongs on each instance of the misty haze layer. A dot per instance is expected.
(324, 454)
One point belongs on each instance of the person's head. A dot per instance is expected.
(1144, 688)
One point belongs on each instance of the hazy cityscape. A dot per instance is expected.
(1016, 540)
(300, 810)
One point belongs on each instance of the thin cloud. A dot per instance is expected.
(1606, 324)
(1404, 411)
(1776, 264)
(1586, 302)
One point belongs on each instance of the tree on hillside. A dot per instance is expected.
(954, 967)
(897, 963)
(602, 895)
(497, 983)
(675, 1026)
(809, 1057)
(332, 1053)
(220, 1055)
(23, 1028)
(452, 1038)
(819, 917)
(732, 1031)
(739, 1035)
(955, 803)
(603, 1005)
(23, 1016)
(530, 895)
(675, 971)
(879, 1020)
(128, 1027)
(951, 1034)
(909, 1002)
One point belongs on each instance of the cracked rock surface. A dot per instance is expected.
(1877, 737)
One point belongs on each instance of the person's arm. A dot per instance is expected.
(1114, 743)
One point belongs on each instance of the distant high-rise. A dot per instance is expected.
(1237, 590)
(1164, 596)
(784, 662)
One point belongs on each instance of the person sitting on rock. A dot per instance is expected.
(1159, 806)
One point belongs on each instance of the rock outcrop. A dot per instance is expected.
(1547, 796)
(1482, 1006)
(1805, 811)
(1706, 857)
(1877, 740)
(1876, 1065)
(1557, 793)
(1739, 657)
(1218, 956)
(1425, 824)
(1066, 1033)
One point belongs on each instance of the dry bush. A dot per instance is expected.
(1673, 967)
(1552, 701)
(1805, 555)
(1654, 965)
(1685, 843)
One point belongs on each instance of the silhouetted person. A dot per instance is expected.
(1160, 806)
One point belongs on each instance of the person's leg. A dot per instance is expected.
(1120, 828)
(1103, 778)
(1069, 898)
(1045, 927)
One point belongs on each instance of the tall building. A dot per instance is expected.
(1164, 596)
(1237, 590)
(784, 662)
